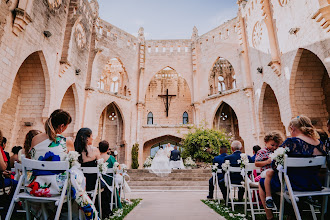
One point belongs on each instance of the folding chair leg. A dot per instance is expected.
(10, 210)
(245, 203)
(292, 198)
(69, 203)
(27, 213)
(227, 197)
(313, 212)
(99, 199)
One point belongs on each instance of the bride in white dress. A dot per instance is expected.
(160, 164)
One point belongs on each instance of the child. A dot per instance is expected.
(263, 160)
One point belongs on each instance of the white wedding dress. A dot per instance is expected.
(160, 164)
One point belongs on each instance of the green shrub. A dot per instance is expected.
(135, 156)
(203, 144)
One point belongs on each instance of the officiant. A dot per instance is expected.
(220, 159)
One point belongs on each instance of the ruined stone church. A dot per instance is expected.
(248, 76)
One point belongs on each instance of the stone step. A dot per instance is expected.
(172, 175)
(169, 178)
(169, 188)
(130, 171)
(168, 183)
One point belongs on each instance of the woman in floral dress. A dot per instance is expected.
(51, 146)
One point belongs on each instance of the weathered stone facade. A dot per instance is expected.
(61, 54)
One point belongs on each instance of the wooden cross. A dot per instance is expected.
(167, 104)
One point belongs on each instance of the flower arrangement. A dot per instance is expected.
(225, 165)
(147, 163)
(116, 167)
(115, 153)
(103, 166)
(243, 161)
(189, 162)
(72, 158)
(123, 168)
(214, 168)
(278, 156)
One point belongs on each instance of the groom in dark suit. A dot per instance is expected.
(175, 154)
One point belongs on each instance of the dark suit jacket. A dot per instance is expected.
(175, 155)
(235, 178)
(220, 159)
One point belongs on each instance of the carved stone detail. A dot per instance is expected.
(257, 34)
(80, 36)
(22, 19)
(283, 2)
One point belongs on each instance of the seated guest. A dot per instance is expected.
(104, 150)
(88, 154)
(28, 141)
(220, 159)
(6, 156)
(256, 148)
(303, 143)
(235, 178)
(14, 157)
(5, 182)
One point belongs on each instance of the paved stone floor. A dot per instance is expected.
(171, 206)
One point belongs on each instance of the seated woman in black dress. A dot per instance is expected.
(88, 158)
(303, 143)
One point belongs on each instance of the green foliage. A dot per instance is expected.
(203, 144)
(135, 156)
(119, 214)
(226, 212)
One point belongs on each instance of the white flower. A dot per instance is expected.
(115, 153)
(227, 162)
(189, 162)
(103, 166)
(239, 161)
(148, 162)
(216, 164)
(72, 158)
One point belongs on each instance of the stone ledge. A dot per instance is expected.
(107, 92)
(222, 94)
(168, 126)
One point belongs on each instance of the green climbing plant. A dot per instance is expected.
(203, 144)
(135, 156)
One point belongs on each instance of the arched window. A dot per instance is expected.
(150, 118)
(185, 118)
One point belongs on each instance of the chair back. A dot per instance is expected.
(234, 169)
(90, 170)
(250, 167)
(28, 164)
(303, 161)
(18, 170)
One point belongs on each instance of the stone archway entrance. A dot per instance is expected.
(151, 147)
(225, 118)
(270, 117)
(69, 104)
(111, 129)
(23, 110)
(310, 88)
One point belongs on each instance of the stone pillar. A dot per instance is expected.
(275, 63)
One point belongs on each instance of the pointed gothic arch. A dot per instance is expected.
(28, 103)
(179, 97)
(222, 76)
(114, 78)
(269, 112)
(310, 88)
(111, 129)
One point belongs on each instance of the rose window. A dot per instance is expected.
(257, 34)
(112, 116)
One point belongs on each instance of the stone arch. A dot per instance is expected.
(168, 80)
(114, 77)
(111, 129)
(226, 118)
(28, 104)
(310, 88)
(147, 146)
(269, 112)
(222, 76)
(70, 103)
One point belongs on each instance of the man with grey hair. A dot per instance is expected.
(235, 178)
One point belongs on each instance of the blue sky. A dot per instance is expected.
(167, 19)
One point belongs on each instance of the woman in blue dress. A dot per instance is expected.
(303, 143)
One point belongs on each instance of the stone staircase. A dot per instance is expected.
(178, 180)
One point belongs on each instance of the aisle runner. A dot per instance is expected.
(171, 206)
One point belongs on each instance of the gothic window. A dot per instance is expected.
(185, 118)
(114, 78)
(150, 118)
(222, 77)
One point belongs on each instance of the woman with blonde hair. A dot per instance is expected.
(302, 143)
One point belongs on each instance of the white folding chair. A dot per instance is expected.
(97, 189)
(216, 185)
(18, 170)
(294, 196)
(111, 174)
(28, 165)
(231, 188)
(251, 188)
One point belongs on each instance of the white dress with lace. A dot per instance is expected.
(160, 164)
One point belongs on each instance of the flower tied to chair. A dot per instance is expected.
(214, 172)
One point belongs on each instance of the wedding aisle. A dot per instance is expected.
(171, 205)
